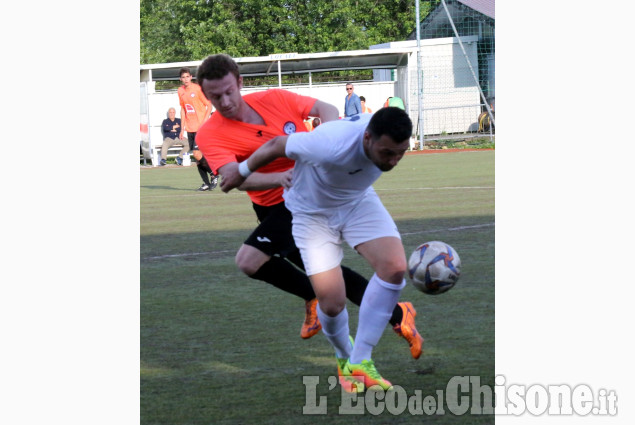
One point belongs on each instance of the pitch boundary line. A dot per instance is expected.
(450, 229)
(195, 254)
(189, 254)
(437, 188)
(377, 190)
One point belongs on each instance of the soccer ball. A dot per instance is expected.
(434, 267)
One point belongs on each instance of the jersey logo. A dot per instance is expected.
(263, 239)
(289, 127)
(355, 172)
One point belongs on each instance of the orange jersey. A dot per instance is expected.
(223, 140)
(194, 105)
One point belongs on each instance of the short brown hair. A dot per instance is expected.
(216, 67)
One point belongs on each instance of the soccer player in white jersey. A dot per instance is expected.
(332, 200)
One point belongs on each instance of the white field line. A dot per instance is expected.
(236, 192)
(437, 188)
(450, 229)
(189, 254)
(193, 254)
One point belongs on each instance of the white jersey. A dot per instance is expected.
(331, 168)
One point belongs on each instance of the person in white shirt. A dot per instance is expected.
(331, 199)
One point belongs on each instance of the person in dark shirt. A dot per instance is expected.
(171, 128)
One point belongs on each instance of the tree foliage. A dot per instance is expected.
(185, 30)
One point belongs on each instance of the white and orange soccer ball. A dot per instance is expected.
(434, 267)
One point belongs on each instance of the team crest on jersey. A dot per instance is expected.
(289, 127)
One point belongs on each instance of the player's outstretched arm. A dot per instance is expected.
(264, 181)
(325, 111)
(234, 175)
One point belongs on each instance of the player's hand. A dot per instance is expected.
(231, 177)
(286, 178)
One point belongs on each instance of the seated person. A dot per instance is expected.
(365, 109)
(171, 128)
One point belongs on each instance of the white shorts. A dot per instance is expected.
(319, 236)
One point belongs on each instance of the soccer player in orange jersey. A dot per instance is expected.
(195, 107)
(195, 110)
(241, 125)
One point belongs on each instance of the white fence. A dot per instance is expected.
(451, 100)
(375, 93)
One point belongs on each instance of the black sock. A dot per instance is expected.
(203, 174)
(356, 285)
(296, 258)
(283, 275)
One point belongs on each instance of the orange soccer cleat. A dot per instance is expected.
(408, 330)
(311, 324)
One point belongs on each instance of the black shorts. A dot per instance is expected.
(273, 234)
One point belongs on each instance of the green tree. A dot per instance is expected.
(183, 30)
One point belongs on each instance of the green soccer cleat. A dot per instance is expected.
(364, 372)
(344, 381)
(342, 362)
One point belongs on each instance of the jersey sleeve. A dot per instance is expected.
(180, 95)
(213, 149)
(314, 147)
(301, 104)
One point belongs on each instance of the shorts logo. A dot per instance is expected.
(289, 127)
(263, 239)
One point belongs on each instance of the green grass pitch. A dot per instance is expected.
(220, 348)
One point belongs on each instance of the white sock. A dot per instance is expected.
(336, 331)
(375, 311)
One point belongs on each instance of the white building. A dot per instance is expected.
(451, 101)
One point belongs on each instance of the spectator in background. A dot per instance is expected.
(396, 102)
(352, 105)
(365, 109)
(195, 108)
(210, 179)
(171, 129)
(316, 122)
(308, 124)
